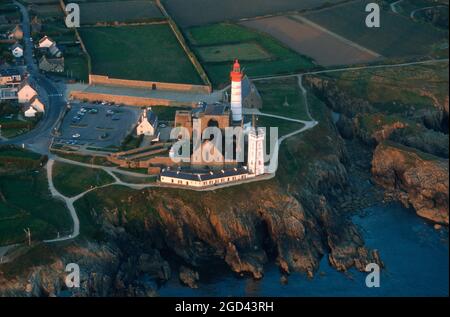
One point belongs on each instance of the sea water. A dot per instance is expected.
(416, 258)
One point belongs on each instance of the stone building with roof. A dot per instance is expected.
(51, 65)
(179, 177)
(147, 124)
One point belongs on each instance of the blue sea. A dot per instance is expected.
(416, 258)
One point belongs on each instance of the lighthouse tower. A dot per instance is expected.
(256, 139)
(236, 92)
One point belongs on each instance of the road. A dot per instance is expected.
(39, 138)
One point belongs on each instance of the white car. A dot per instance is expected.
(76, 136)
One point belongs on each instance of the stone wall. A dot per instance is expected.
(127, 100)
(105, 80)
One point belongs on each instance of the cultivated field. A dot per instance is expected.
(216, 37)
(119, 11)
(397, 36)
(227, 53)
(201, 12)
(146, 52)
(315, 42)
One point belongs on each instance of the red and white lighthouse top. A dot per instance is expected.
(236, 73)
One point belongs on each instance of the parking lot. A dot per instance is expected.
(97, 125)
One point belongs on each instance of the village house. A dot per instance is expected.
(46, 42)
(10, 77)
(8, 93)
(16, 33)
(17, 50)
(33, 107)
(29, 111)
(147, 123)
(37, 104)
(26, 92)
(53, 65)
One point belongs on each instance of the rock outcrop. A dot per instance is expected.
(415, 178)
(189, 277)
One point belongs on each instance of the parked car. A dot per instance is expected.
(76, 136)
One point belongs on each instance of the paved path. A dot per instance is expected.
(394, 6)
(68, 201)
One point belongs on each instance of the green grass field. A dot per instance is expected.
(25, 201)
(147, 52)
(284, 127)
(282, 97)
(394, 90)
(226, 36)
(37, 210)
(15, 160)
(228, 53)
(76, 67)
(117, 11)
(72, 180)
(90, 206)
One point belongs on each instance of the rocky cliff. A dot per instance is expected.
(415, 178)
(150, 235)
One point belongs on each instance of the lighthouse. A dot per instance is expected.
(256, 140)
(236, 92)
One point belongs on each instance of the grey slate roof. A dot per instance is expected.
(203, 176)
(9, 72)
